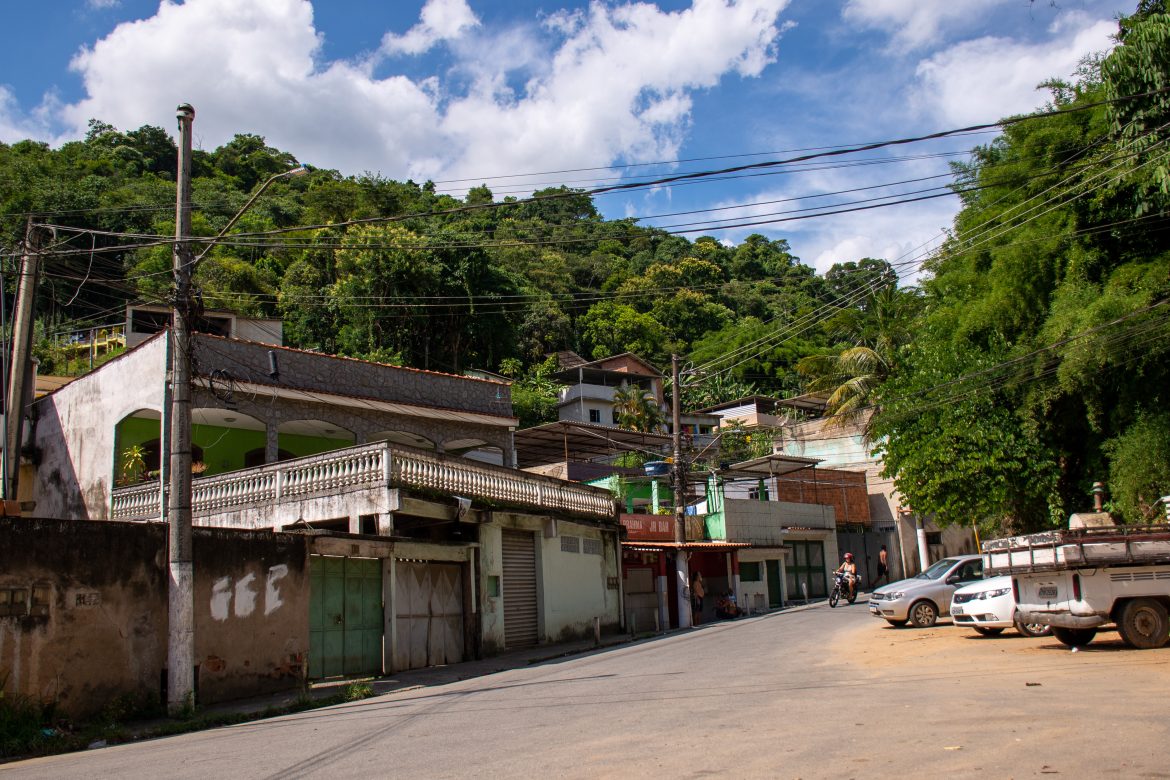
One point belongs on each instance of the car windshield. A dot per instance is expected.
(937, 570)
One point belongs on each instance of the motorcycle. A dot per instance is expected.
(841, 588)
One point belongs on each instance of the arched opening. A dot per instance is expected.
(221, 437)
(475, 449)
(405, 438)
(256, 457)
(138, 448)
(298, 438)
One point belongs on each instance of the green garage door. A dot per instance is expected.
(345, 616)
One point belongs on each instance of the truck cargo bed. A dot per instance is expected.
(1076, 549)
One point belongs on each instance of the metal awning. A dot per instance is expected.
(566, 440)
(773, 465)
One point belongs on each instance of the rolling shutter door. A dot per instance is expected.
(519, 557)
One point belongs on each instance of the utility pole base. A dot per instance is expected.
(181, 639)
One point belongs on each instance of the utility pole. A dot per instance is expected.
(682, 573)
(181, 595)
(22, 325)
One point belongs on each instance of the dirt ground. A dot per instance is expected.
(880, 646)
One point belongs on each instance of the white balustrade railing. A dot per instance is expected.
(369, 466)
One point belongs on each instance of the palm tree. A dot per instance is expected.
(636, 409)
(851, 377)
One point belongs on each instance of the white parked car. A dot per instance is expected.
(988, 606)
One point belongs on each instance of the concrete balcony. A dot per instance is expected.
(356, 481)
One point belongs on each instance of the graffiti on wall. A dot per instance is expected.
(239, 596)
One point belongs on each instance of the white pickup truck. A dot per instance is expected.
(1082, 579)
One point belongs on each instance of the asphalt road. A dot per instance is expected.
(814, 693)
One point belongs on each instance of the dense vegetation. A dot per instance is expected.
(1040, 361)
(1031, 360)
(397, 272)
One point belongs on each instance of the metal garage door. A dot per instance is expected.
(519, 556)
(429, 611)
(345, 616)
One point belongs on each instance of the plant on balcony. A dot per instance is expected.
(132, 468)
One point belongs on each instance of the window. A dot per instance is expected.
(570, 544)
(595, 415)
(591, 546)
(149, 321)
(749, 572)
(13, 602)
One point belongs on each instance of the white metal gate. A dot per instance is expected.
(521, 628)
(429, 611)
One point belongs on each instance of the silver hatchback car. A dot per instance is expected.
(924, 598)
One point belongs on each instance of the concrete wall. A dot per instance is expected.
(74, 431)
(99, 629)
(766, 522)
(579, 585)
(753, 595)
(572, 587)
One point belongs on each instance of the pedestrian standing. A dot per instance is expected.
(698, 590)
(883, 565)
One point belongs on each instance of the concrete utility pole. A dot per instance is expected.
(22, 326)
(923, 547)
(181, 591)
(682, 570)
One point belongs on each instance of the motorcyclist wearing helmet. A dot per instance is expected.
(850, 570)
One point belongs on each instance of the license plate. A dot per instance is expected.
(1047, 591)
(873, 610)
(956, 610)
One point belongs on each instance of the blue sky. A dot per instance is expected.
(469, 91)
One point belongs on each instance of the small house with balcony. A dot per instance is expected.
(421, 551)
(589, 386)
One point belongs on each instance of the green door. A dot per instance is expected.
(774, 599)
(345, 616)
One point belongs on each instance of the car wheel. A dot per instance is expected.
(985, 631)
(1033, 629)
(923, 614)
(896, 623)
(1144, 624)
(1074, 637)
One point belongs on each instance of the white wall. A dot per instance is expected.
(765, 522)
(576, 584)
(75, 431)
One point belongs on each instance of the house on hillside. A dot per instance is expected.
(447, 557)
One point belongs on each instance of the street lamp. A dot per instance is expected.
(300, 170)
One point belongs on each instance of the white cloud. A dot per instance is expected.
(992, 77)
(613, 82)
(16, 125)
(101, 5)
(440, 20)
(915, 23)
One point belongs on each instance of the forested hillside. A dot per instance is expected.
(1030, 359)
(1040, 361)
(393, 271)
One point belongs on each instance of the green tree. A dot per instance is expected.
(637, 410)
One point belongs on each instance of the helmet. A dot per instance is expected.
(848, 556)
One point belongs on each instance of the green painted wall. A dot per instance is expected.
(223, 448)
